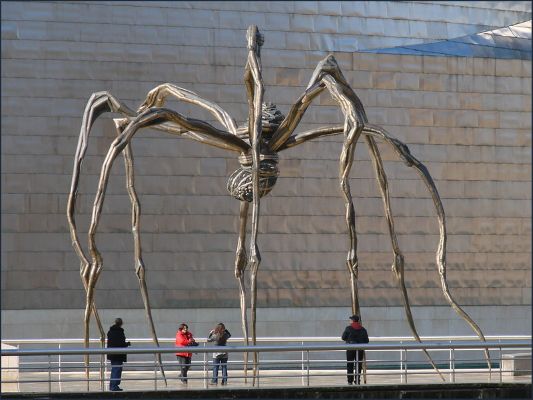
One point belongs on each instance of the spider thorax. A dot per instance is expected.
(240, 181)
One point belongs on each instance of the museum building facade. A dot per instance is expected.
(450, 79)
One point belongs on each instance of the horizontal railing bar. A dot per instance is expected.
(24, 364)
(277, 339)
(321, 364)
(259, 349)
(313, 373)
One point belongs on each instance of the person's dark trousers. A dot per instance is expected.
(353, 358)
(222, 363)
(116, 374)
(185, 364)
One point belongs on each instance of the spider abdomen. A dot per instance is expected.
(240, 181)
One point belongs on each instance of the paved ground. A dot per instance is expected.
(144, 381)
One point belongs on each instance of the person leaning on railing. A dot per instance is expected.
(184, 338)
(219, 336)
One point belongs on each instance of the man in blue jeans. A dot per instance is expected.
(219, 336)
(116, 338)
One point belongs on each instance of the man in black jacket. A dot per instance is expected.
(354, 333)
(116, 338)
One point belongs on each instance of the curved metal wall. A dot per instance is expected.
(468, 119)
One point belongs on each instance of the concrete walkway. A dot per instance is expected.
(144, 381)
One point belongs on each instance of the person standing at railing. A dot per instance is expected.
(219, 336)
(184, 338)
(354, 333)
(116, 338)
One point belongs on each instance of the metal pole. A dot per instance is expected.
(356, 369)
(155, 372)
(105, 372)
(453, 364)
(258, 364)
(450, 362)
(405, 365)
(307, 354)
(206, 377)
(501, 364)
(102, 375)
(490, 370)
(49, 374)
(401, 367)
(59, 367)
(303, 366)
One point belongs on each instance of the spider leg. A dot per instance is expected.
(135, 228)
(403, 151)
(398, 263)
(148, 118)
(98, 103)
(240, 266)
(294, 116)
(255, 91)
(352, 133)
(355, 119)
(157, 96)
(329, 74)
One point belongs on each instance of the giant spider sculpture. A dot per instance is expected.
(258, 143)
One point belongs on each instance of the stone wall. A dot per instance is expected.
(468, 120)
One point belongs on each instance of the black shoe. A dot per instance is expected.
(350, 383)
(224, 383)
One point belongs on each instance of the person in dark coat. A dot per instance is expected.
(219, 336)
(354, 333)
(116, 338)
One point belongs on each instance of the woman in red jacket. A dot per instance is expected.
(184, 338)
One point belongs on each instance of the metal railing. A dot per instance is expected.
(387, 361)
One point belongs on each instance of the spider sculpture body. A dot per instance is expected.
(258, 143)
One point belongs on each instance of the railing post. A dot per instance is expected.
(401, 365)
(206, 376)
(101, 372)
(501, 364)
(59, 366)
(356, 376)
(452, 355)
(308, 367)
(257, 369)
(450, 367)
(155, 372)
(105, 371)
(405, 365)
(49, 374)
(303, 365)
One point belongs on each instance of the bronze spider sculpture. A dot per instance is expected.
(258, 143)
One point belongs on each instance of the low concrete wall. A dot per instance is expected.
(516, 364)
(287, 321)
(12, 372)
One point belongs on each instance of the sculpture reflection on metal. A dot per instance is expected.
(258, 143)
